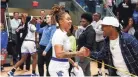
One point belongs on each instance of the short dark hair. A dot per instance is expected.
(87, 16)
(99, 15)
(118, 29)
(132, 19)
(42, 10)
(15, 12)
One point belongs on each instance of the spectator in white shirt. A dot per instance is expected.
(15, 22)
(96, 24)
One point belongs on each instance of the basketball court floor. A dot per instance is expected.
(18, 72)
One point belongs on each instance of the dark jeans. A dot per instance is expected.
(42, 59)
(11, 48)
(100, 65)
(14, 47)
(91, 6)
(84, 63)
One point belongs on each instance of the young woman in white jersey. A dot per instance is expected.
(28, 45)
(59, 63)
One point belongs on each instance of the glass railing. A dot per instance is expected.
(99, 7)
(7, 20)
(82, 4)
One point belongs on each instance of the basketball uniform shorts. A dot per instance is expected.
(59, 67)
(28, 47)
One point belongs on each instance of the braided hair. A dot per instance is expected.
(25, 30)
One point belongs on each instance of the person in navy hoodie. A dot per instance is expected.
(4, 42)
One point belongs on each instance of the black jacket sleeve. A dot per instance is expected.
(90, 40)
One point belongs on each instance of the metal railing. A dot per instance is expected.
(7, 20)
(108, 10)
(111, 12)
(78, 5)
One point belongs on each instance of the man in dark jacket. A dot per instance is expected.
(121, 49)
(87, 40)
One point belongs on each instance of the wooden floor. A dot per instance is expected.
(23, 72)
